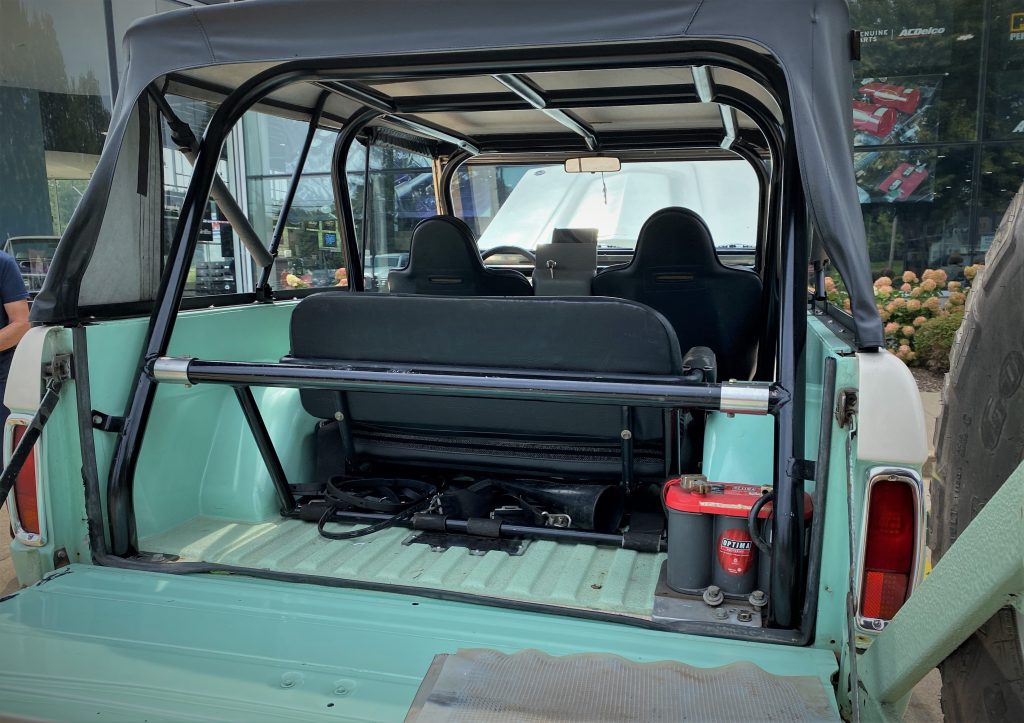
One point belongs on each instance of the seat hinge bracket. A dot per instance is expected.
(106, 422)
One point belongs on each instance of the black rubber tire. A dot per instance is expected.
(979, 441)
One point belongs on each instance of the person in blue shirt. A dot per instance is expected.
(13, 319)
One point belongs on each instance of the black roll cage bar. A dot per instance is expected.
(786, 295)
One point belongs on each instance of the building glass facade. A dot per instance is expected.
(938, 111)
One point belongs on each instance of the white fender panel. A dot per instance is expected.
(890, 418)
(25, 380)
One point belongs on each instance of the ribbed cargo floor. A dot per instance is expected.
(579, 576)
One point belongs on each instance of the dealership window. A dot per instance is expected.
(936, 82)
(311, 252)
(55, 101)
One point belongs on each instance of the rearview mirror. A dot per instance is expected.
(593, 164)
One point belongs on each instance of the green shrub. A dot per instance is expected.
(934, 340)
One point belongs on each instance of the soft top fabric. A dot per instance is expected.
(809, 38)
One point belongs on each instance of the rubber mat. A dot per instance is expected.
(487, 686)
(578, 576)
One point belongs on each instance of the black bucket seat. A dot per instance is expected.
(444, 261)
(676, 271)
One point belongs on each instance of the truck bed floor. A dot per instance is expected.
(579, 576)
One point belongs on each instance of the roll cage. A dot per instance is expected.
(782, 254)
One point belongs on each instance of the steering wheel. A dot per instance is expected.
(510, 251)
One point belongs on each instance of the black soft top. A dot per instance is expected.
(809, 39)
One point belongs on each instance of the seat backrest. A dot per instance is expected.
(444, 261)
(676, 271)
(581, 336)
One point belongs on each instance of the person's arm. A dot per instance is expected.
(17, 324)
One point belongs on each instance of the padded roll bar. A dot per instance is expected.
(664, 392)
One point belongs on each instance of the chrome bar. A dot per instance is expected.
(634, 391)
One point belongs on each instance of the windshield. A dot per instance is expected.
(519, 205)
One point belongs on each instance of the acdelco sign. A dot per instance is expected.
(920, 32)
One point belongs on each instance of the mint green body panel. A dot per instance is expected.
(105, 644)
(822, 342)
(219, 646)
(198, 456)
(739, 448)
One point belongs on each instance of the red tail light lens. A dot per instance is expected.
(890, 549)
(25, 496)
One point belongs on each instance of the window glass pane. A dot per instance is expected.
(916, 206)
(1004, 104)
(400, 195)
(214, 267)
(55, 97)
(522, 205)
(311, 254)
(1002, 173)
(917, 80)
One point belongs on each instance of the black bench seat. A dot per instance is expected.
(597, 338)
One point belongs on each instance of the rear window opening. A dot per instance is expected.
(473, 374)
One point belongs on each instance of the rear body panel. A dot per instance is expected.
(117, 644)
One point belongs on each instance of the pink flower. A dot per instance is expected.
(909, 276)
(919, 321)
(891, 328)
(908, 330)
(905, 288)
(883, 281)
(913, 306)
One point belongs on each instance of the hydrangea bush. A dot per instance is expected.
(907, 303)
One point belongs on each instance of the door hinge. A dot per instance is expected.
(847, 406)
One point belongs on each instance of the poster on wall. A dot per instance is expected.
(895, 176)
(895, 109)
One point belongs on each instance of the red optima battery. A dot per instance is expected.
(709, 541)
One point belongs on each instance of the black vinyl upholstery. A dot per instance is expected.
(676, 271)
(444, 261)
(581, 336)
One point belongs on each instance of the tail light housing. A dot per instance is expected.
(25, 501)
(892, 546)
